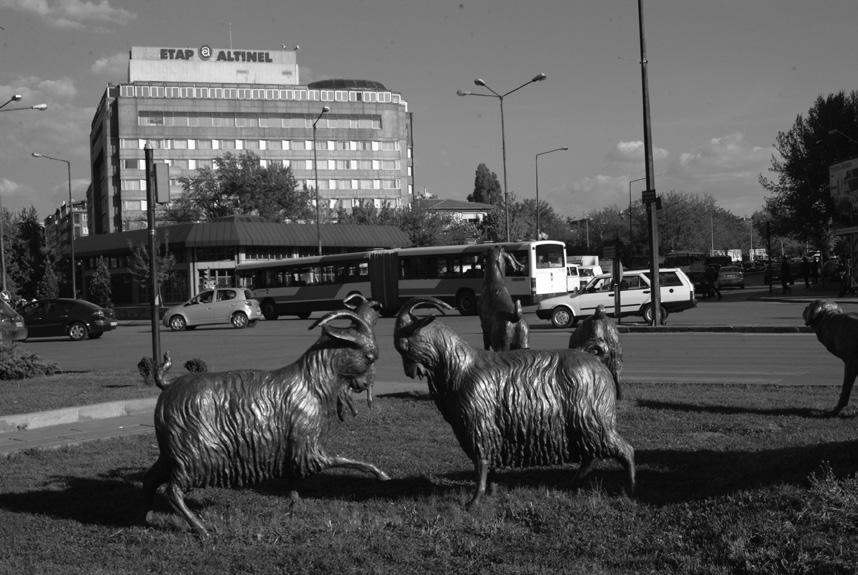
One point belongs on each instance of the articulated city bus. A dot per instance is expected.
(453, 274)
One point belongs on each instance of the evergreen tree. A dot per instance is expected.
(48, 286)
(28, 251)
(487, 188)
(99, 285)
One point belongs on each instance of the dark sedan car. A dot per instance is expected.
(75, 318)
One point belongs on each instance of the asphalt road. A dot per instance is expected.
(758, 358)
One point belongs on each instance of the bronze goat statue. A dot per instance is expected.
(516, 408)
(598, 335)
(237, 428)
(501, 319)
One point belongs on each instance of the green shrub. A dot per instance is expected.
(196, 365)
(17, 365)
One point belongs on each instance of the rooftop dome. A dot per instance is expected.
(342, 84)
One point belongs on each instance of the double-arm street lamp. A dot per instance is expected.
(71, 218)
(40, 108)
(482, 83)
(325, 110)
(536, 161)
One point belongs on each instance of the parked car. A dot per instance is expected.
(235, 306)
(731, 276)
(76, 318)
(12, 324)
(677, 294)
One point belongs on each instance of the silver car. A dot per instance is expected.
(221, 305)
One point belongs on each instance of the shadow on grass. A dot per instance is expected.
(664, 477)
(737, 410)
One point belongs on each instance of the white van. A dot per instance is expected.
(677, 294)
(573, 278)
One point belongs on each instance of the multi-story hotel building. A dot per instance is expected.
(192, 105)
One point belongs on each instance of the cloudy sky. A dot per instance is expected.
(724, 75)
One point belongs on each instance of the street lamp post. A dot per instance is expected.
(536, 161)
(71, 218)
(847, 136)
(40, 108)
(630, 206)
(482, 83)
(325, 110)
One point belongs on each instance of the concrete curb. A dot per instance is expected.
(713, 329)
(24, 421)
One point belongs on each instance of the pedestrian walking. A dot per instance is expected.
(786, 277)
(712, 287)
(814, 270)
(805, 271)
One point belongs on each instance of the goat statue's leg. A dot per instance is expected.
(850, 370)
(157, 475)
(481, 466)
(336, 461)
(177, 501)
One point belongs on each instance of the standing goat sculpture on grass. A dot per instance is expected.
(598, 334)
(501, 319)
(238, 428)
(516, 408)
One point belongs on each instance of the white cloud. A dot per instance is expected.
(113, 66)
(633, 152)
(72, 14)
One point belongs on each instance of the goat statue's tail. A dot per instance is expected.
(153, 373)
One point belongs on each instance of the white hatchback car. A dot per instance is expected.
(677, 294)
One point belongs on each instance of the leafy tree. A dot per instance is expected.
(49, 285)
(800, 205)
(165, 263)
(240, 185)
(99, 284)
(487, 188)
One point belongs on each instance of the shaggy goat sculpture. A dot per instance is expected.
(516, 408)
(368, 309)
(501, 319)
(598, 335)
(838, 332)
(237, 428)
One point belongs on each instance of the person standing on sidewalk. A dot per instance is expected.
(712, 287)
(805, 271)
(786, 277)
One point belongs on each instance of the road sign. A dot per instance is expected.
(648, 195)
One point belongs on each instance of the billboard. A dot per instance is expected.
(843, 183)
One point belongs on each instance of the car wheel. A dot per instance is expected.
(178, 323)
(647, 314)
(466, 302)
(77, 331)
(562, 317)
(239, 320)
(741, 286)
(269, 310)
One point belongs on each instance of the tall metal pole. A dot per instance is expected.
(325, 109)
(2, 246)
(71, 218)
(153, 262)
(652, 215)
(71, 234)
(630, 206)
(536, 161)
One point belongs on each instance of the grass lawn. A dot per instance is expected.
(731, 479)
(71, 389)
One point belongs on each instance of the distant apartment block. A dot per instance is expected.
(57, 226)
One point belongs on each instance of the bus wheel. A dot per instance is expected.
(647, 314)
(269, 310)
(466, 301)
